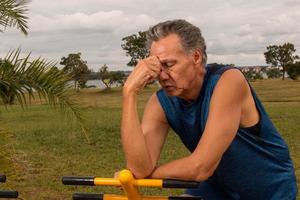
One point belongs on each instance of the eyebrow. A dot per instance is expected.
(167, 61)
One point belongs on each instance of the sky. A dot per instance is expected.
(236, 31)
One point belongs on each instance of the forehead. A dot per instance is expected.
(166, 46)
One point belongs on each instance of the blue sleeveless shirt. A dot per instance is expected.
(257, 164)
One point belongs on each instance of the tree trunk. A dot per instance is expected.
(106, 84)
(76, 86)
(283, 72)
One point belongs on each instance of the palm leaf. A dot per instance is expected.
(13, 14)
(21, 78)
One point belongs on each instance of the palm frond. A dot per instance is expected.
(13, 14)
(22, 78)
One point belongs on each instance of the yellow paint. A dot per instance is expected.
(130, 186)
(149, 182)
(127, 180)
(114, 197)
(118, 197)
(107, 182)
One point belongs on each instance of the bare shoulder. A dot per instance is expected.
(234, 81)
(233, 76)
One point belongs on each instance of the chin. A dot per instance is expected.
(171, 92)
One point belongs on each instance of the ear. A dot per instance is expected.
(197, 56)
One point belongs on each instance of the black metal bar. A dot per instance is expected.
(172, 183)
(85, 196)
(2, 178)
(78, 180)
(184, 198)
(9, 194)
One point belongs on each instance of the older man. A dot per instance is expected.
(236, 152)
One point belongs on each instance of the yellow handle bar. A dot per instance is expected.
(129, 184)
(160, 183)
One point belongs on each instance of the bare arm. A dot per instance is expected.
(142, 143)
(221, 127)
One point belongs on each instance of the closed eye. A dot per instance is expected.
(168, 64)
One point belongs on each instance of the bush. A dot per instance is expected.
(252, 75)
(293, 70)
(273, 73)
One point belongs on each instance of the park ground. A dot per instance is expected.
(38, 145)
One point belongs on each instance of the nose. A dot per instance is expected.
(164, 75)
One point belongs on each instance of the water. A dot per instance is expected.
(96, 83)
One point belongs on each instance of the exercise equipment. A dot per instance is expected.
(5, 193)
(130, 186)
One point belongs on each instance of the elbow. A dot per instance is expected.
(203, 174)
(139, 172)
(202, 171)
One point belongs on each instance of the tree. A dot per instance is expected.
(135, 47)
(117, 77)
(281, 56)
(13, 14)
(104, 75)
(84, 78)
(77, 67)
(293, 70)
(111, 77)
(273, 72)
(252, 75)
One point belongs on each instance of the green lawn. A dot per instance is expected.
(38, 146)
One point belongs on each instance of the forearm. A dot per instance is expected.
(137, 155)
(184, 169)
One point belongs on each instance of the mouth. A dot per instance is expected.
(168, 87)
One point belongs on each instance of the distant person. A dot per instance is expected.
(236, 152)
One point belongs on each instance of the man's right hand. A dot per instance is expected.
(144, 72)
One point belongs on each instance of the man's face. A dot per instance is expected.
(178, 67)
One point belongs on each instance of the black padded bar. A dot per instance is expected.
(8, 194)
(2, 178)
(172, 183)
(78, 180)
(184, 198)
(85, 196)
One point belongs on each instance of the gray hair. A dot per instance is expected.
(190, 35)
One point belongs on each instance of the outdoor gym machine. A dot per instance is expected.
(130, 186)
(7, 194)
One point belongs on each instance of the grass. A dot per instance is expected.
(38, 146)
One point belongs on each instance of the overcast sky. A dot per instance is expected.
(236, 31)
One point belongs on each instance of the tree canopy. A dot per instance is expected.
(135, 47)
(111, 77)
(281, 56)
(76, 67)
(293, 70)
(273, 73)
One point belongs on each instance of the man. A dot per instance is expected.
(236, 152)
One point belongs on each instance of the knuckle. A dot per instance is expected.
(140, 62)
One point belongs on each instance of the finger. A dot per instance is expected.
(147, 77)
(151, 75)
(154, 75)
(150, 63)
(116, 174)
(154, 64)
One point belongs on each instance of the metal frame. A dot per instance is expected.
(130, 186)
(5, 193)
